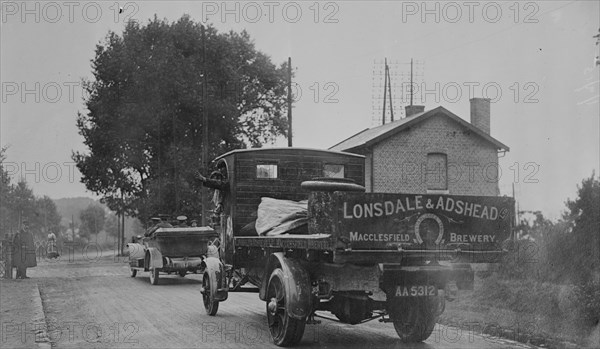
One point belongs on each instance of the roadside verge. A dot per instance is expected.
(23, 320)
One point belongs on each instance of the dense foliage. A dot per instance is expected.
(553, 268)
(566, 251)
(18, 203)
(92, 221)
(143, 127)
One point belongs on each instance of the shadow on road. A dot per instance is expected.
(168, 280)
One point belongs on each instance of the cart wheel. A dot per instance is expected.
(182, 273)
(132, 272)
(284, 329)
(414, 319)
(154, 276)
(210, 305)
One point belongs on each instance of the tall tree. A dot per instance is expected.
(23, 201)
(92, 221)
(46, 218)
(143, 127)
(7, 219)
(111, 225)
(18, 203)
(583, 217)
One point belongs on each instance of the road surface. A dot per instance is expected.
(92, 302)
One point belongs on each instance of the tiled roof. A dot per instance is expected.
(373, 135)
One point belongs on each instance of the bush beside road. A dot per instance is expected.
(547, 288)
(528, 311)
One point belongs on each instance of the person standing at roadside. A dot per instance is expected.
(24, 251)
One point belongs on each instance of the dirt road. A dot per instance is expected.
(94, 303)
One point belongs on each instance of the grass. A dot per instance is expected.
(528, 311)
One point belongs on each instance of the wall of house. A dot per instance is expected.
(400, 162)
(368, 171)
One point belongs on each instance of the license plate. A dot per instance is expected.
(416, 291)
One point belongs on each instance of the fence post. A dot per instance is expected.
(6, 258)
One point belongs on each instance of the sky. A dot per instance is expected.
(534, 60)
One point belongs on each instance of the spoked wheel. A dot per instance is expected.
(414, 318)
(182, 273)
(210, 305)
(284, 329)
(154, 276)
(132, 272)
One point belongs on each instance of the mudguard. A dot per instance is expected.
(218, 279)
(297, 285)
(156, 260)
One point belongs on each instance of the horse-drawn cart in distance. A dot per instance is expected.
(360, 256)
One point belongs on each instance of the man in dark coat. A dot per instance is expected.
(24, 251)
(182, 222)
(218, 181)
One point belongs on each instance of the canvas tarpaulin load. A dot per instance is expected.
(275, 217)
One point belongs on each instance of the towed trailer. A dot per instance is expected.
(172, 250)
(361, 256)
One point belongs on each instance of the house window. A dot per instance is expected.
(333, 171)
(266, 171)
(436, 175)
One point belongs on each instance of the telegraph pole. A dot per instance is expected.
(289, 101)
(122, 242)
(204, 129)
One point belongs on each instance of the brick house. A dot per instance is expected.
(433, 152)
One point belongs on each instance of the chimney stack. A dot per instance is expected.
(480, 114)
(414, 109)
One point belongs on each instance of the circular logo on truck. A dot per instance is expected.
(429, 229)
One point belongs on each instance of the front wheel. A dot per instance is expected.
(414, 318)
(154, 276)
(132, 272)
(210, 305)
(285, 330)
(182, 273)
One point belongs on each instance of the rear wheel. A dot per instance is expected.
(182, 273)
(414, 318)
(154, 276)
(210, 305)
(284, 329)
(132, 272)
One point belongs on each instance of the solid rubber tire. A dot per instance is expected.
(292, 328)
(210, 305)
(154, 276)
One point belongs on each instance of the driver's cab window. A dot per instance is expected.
(333, 170)
(266, 171)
